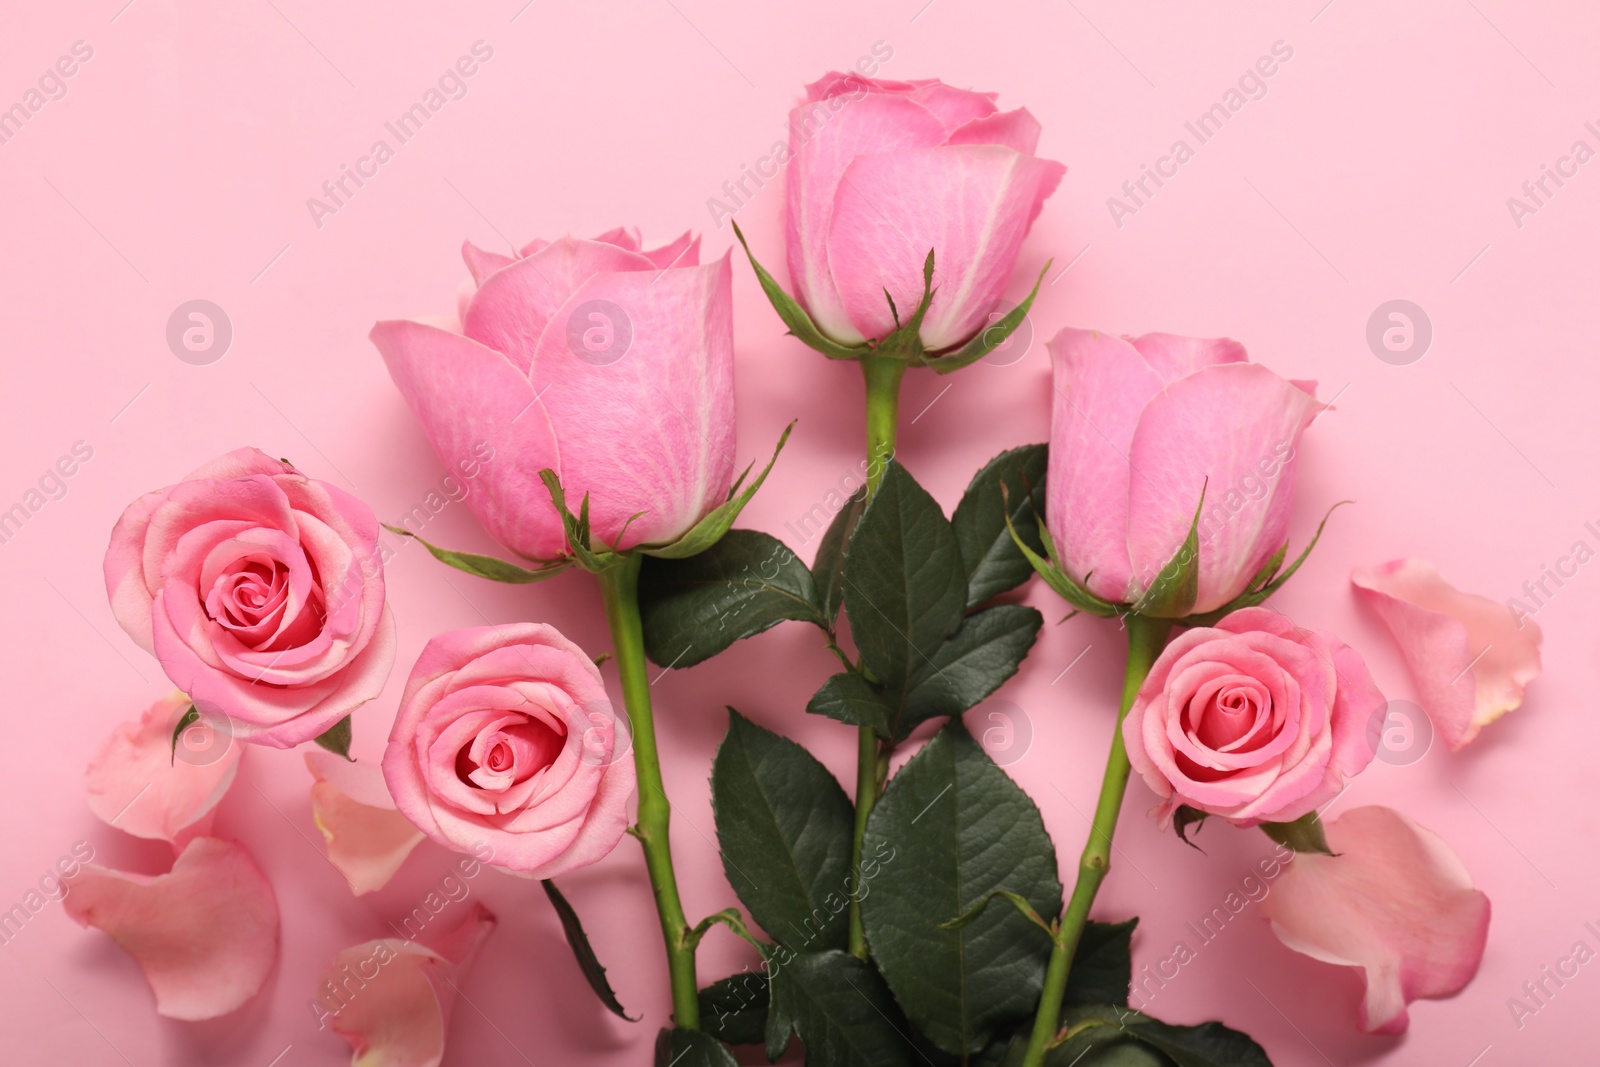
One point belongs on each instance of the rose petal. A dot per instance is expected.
(971, 204)
(468, 398)
(652, 407)
(824, 137)
(1470, 657)
(392, 998)
(1394, 901)
(205, 934)
(1215, 430)
(367, 837)
(481, 264)
(138, 783)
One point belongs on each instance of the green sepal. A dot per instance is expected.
(989, 338)
(186, 720)
(1305, 834)
(577, 527)
(794, 316)
(1185, 817)
(709, 530)
(1017, 900)
(1056, 578)
(1177, 585)
(496, 570)
(905, 343)
(337, 738)
(1267, 580)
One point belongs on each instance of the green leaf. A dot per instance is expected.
(1172, 594)
(734, 1009)
(1305, 834)
(959, 829)
(904, 584)
(588, 962)
(690, 1048)
(496, 570)
(1267, 581)
(990, 338)
(186, 720)
(977, 659)
(1056, 578)
(993, 561)
(1186, 817)
(828, 568)
(784, 826)
(793, 315)
(1100, 1032)
(840, 1008)
(850, 698)
(1102, 968)
(709, 530)
(336, 738)
(744, 584)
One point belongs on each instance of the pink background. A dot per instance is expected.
(1376, 167)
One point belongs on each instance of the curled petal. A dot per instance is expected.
(392, 998)
(1470, 657)
(205, 933)
(142, 785)
(1395, 901)
(367, 837)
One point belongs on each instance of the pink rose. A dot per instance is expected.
(507, 745)
(1140, 427)
(260, 590)
(611, 366)
(1254, 719)
(884, 171)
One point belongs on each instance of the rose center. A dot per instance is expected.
(509, 753)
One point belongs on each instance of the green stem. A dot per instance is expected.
(1146, 638)
(619, 586)
(883, 375)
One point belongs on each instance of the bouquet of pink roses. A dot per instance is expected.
(586, 387)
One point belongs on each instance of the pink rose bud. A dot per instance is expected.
(260, 590)
(609, 365)
(1254, 719)
(507, 747)
(1141, 427)
(881, 173)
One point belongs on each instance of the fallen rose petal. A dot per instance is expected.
(1469, 656)
(1395, 901)
(391, 998)
(205, 934)
(367, 837)
(143, 785)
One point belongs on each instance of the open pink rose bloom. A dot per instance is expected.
(506, 745)
(609, 365)
(881, 173)
(1254, 719)
(261, 592)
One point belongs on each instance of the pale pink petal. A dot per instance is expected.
(513, 305)
(651, 406)
(392, 998)
(1395, 901)
(481, 264)
(367, 837)
(1175, 357)
(1017, 130)
(971, 205)
(1086, 487)
(683, 252)
(1219, 430)
(476, 407)
(825, 136)
(205, 934)
(1470, 657)
(954, 107)
(138, 783)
